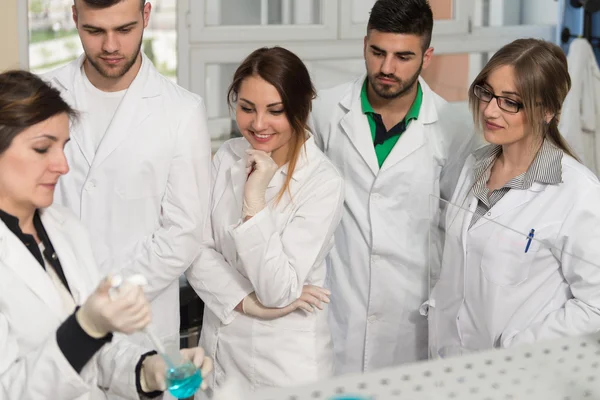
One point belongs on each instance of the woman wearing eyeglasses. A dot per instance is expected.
(522, 249)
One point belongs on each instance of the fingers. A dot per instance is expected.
(193, 354)
(198, 357)
(250, 160)
(154, 369)
(313, 288)
(133, 302)
(137, 320)
(255, 152)
(318, 292)
(258, 156)
(312, 300)
(302, 305)
(104, 286)
(161, 381)
(206, 366)
(130, 312)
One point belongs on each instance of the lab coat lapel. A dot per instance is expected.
(414, 136)
(17, 257)
(462, 211)
(56, 232)
(356, 126)
(238, 181)
(511, 201)
(140, 100)
(409, 142)
(277, 180)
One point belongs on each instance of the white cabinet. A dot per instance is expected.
(328, 35)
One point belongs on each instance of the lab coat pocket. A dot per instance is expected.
(283, 352)
(504, 261)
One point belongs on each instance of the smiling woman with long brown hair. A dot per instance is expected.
(276, 203)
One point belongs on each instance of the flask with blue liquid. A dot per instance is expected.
(183, 380)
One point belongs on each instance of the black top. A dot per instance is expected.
(29, 241)
(382, 134)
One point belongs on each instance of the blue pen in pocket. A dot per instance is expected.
(529, 239)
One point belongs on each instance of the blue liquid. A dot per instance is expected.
(184, 380)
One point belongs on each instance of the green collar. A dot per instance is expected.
(413, 112)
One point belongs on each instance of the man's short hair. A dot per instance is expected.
(107, 3)
(403, 16)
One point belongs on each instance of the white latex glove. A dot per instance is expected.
(102, 313)
(154, 368)
(261, 168)
(312, 296)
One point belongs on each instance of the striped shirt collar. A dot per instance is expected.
(546, 167)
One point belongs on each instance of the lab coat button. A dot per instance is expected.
(489, 214)
(372, 318)
(374, 259)
(90, 185)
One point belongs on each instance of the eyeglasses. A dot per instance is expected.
(505, 104)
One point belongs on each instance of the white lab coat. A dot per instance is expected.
(378, 268)
(491, 293)
(580, 117)
(31, 364)
(144, 194)
(275, 253)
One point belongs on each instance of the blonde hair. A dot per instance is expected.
(542, 81)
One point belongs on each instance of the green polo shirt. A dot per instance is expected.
(384, 140)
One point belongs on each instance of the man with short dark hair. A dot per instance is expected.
(140, 157)
(396, 144)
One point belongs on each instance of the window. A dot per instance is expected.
(451, 17)
(328, 36)
(251, 20)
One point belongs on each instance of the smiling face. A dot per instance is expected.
(111, 37)
(394, 62)
(501, 127)
(31, 165)
(261, 118)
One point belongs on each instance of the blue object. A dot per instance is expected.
(529, 238)
(183, 381)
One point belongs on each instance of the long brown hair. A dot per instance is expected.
(288, 74)
(26, 100)
(542, 81)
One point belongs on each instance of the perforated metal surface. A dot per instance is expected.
(566, 369)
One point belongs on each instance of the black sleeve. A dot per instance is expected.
(77, 346)
(138, 371)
